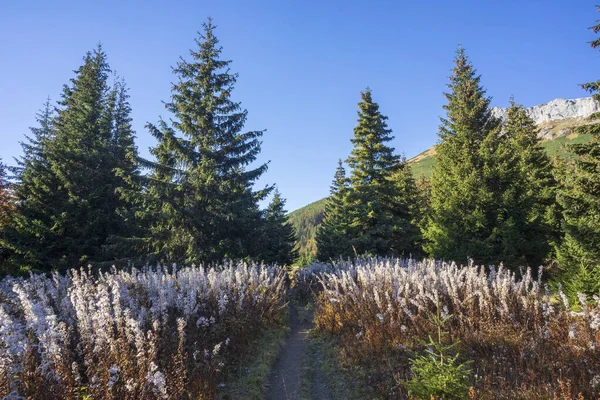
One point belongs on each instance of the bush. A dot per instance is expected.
(438, 373)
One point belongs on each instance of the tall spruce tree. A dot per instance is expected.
(378, 220)
(128, 179)
(278, 236)
(68, 188)
(579, 197)
(533, 206)
(469, 179)
(200, 203)
(29, 232)
(332, 235)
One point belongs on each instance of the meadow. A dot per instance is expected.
(158, 333)
(154, 333)
(520, 340)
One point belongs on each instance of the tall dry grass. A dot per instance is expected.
(154, 333)
(524, 340)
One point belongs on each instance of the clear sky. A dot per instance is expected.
(302, 65)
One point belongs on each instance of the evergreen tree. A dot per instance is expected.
(68, 187)
(6, 201)
(579, 197)
(332, 236)
(279, 238)
(200, 203)
(6, 210)
(408, 203)
(29, 232)
(471, 175)
(380, 222)
(128, 180)
(533, 206)
(423, 202)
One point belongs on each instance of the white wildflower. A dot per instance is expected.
(216, 349)
(445, 312)
(114, 376)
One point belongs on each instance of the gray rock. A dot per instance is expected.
(556, 110)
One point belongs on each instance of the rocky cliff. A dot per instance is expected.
(558, 117)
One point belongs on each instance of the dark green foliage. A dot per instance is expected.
(375, 211)
(278, 236)
(473, 178)
(580, 278)
(307, 219)
(332, 235)
(199, 202)
(579, 197)
(531, 209)
(69, 206)
(29, 232)
(368, 203)
(6, 210)
(438, 374)
(409, 203)
(6, 201)
(379, 202)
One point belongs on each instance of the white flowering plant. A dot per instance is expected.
(522, 337)
(152, 333)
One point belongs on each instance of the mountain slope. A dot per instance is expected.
(556, 121)
(305, 221)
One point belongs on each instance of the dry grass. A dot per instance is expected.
(524, 344)
(149, 334)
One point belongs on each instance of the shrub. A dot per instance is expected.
(438, 373)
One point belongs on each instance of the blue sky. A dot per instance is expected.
(302, 65)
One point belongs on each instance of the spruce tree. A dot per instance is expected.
(579, 197)
(200, 203)
(278, 236)
(128, 180)
(379, 220)
(6, 200)
(533, 205)
(467, 181)
(68, 188)
(6, 210)
(332, 235)
(408, 205)
(29, 232)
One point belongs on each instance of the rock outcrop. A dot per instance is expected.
(557, 109)
(558, 117)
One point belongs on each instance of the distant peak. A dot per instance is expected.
(555, 110)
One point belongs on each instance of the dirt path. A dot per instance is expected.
(295, 365)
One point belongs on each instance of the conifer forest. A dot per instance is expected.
(182, 276)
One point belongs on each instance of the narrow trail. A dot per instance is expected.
(295, 365)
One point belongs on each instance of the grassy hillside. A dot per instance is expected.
(306, 219)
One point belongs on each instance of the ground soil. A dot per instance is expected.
(288, 380)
